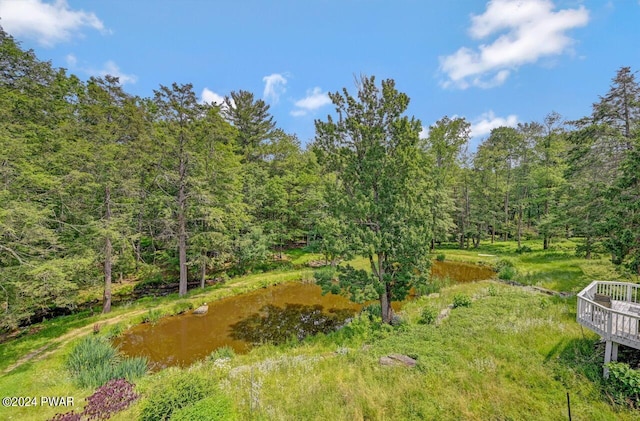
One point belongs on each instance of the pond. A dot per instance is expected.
(274, 314)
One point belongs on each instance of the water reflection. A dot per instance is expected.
(277, 325)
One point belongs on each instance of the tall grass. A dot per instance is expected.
(94, 361)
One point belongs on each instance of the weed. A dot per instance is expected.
(440, 257)
(182, 307)
(225, 352)
(461, 300)
(624, 383)
(152, 316)
(428, 316)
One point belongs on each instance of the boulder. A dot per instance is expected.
(201, 310)
(398, 360)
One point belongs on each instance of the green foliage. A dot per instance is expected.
(174, 390)
(523, 249)
(428, 315)
(182, 307)
(224, 352)
(94, 361)
(461, 300)
(440, 257)
(376, 154)
(506, 269)
(212, 408)
(624, 383)
(153, 315)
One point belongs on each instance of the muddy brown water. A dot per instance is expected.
(274, 314)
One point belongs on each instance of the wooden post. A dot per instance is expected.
(607, 358)
(614, 352)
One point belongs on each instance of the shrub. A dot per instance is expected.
(220, 353)
(440, 257)
(461, 300)
(176, 390)
(428, 316)
(94, 361)
(506, 269)
(492, 290)
(217, 407)
(624, 383)
(373, 311)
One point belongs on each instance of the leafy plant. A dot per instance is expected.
(440, 257)
(428, 316)
(461, 300)
(115, 396)
(624, 383)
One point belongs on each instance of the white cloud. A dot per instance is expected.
(48, 23)
(274, 87)
(111, 68)
(528, 30)
(211, 97)
(482, 125)
(315, 99)
(72, 61)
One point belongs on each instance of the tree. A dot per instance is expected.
(620, 107)
(446, 140)
(178, 112)
(382, 193)
(251, 119)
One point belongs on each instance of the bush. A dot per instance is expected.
(217, 407)
(523, 249)
(428, 316)
(624, 383)
(440, 257)
(94, 361)
(373, 311)
(506, 269)
(176, 390)
(461, 300)
(220, 353)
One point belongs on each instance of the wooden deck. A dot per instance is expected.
(617, 324)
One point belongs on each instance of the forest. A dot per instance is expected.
(100, 187)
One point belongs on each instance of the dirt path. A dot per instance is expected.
(48, 349)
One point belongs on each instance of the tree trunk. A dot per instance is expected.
(204, 271)
(545, 244)
(182, 224)
(520, 227)
(106, 300)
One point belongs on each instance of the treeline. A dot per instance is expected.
(97, 184)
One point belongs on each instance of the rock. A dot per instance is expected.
(201, 310)
(398, 360)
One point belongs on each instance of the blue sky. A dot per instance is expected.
(495, 63)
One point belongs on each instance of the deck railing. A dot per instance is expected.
(610, 323)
